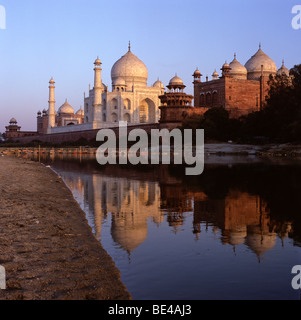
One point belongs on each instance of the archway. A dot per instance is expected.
(114, 104)
(147, 111)
(114, 117)
(127, 104)
(127, 117)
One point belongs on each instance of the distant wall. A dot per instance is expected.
(85, 134)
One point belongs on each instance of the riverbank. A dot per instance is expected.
(46, 244)
(217, 148)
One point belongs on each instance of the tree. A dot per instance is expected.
(280, 119)
(216, 124)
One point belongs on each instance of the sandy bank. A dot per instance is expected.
(46, 244)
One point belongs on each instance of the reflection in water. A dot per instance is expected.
(130, 204)
(240, 207)
(243, 218)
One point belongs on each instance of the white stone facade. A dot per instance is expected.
(130, 100)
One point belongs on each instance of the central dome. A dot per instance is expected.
(254, 65)
(131, 69)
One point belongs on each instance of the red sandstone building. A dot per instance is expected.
(13, 131)
(176, 105)
(240, 89)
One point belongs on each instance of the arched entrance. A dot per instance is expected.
(114, 117)
(147, 111)
(127, 117)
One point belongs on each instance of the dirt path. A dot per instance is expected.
(46, 244)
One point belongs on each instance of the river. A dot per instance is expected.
(233, 232)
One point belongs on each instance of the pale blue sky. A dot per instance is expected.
(62, 38)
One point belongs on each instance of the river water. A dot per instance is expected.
(233, 232)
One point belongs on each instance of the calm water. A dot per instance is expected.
(232, 233)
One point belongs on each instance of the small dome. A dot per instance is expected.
(254, 64)
(97, 62)
(283, 70)
(131, 69)
(237, 236)
(176, 81)
(215, 75)
(158, 84)
(13, 121)
(80, 112)
(52, 81)
(119, 82)
(66, 108)
(226, 65)
(39, 113)
(238, 71)
(197, 73)
(260, 242)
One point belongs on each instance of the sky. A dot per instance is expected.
(62, 39)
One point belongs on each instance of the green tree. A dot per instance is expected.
(280, 119)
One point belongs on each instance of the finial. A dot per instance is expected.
(234, 55)
(282, 62)
(129, 46)
(259, 45)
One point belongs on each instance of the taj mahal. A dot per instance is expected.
(131, 100)
(240, 89)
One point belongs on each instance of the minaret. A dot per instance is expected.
(97, 90)
(97, 83)
(51, 110)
